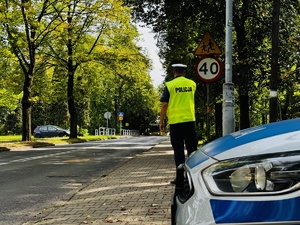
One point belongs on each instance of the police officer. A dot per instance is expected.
(179, 106)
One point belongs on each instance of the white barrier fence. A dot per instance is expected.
(126, 132)
(112, 131)
(105, 131)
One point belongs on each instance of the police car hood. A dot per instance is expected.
(269, 138)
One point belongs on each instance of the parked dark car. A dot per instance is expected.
(50, 131)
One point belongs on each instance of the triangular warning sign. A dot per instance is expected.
(208, 46)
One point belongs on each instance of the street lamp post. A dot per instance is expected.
(228, 86)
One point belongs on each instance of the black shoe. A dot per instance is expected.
(173, 181)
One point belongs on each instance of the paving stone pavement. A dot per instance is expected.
(138, 192)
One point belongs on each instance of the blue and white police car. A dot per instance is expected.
(248, 177)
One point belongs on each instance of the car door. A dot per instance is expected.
(52, 131)
(43, 131)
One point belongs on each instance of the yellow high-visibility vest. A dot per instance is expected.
(181, 106)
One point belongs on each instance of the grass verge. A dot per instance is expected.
(13, 142)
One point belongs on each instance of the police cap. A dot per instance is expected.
(179, 66)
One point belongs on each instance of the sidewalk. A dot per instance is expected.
(138, 192)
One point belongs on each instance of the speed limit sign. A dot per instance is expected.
(208, 69)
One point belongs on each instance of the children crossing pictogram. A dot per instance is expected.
(208, 46)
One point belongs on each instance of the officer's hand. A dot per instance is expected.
(161, 127)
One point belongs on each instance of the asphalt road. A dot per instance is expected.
(33, 179)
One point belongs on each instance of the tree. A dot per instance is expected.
(274, 62)
(179, 28)
(25, 34)
(86, 30)
(78, 46)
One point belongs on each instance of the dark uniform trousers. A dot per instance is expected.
(183, 134)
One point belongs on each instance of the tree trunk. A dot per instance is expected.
(286, 104)
(274, 63)
(218, 119)
(244, 109)
(26, 109)
(71, 72)
(117, 108)
(243, 79)
(71, 103)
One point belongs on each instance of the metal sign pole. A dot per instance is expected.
(228, 86)
(207, 112)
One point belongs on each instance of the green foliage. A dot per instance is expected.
(89, 55)
(180, 25)
(13, 122)
(54, 113)
(10, 85)
(87, 52)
